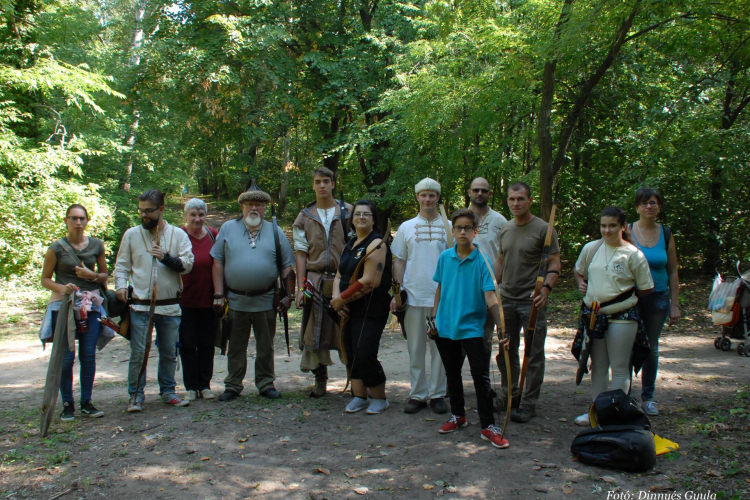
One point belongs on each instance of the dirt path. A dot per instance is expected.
(301, 448)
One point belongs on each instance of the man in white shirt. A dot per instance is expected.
(173, 252)
(416, 250)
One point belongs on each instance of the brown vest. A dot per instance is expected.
(323, 253)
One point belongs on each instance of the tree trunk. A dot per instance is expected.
(285, 166)
(135, 60)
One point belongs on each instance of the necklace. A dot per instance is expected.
(80, 246)
(606, 267)
(253, 235)
(640, 233)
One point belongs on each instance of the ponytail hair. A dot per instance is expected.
(622, 219)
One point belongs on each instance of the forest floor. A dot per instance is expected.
(302, 448)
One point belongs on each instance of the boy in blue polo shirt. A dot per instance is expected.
(465, 292)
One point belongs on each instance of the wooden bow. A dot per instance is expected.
(355, 276)
(502, 337)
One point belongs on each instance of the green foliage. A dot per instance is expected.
(215, 93)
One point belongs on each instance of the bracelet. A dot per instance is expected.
(554, 272)
(547, 285)
(218, 295)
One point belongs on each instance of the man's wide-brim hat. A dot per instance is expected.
(254, 193)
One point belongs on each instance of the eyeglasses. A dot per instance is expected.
(361, 215)
(651, 203)
(147, 211)
(479, 190)
(461, 229)
(251, 204)
(77, 219)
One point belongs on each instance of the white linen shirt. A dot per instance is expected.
(420, 242)
(134, 265)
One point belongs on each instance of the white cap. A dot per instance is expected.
(427, 184)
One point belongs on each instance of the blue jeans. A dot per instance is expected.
(654, 309)
(167, 336)
(86, 358)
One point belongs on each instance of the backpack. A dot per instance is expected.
(617, 408)
(627, 448)
(621, 436)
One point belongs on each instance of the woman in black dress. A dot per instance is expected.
(365, 299)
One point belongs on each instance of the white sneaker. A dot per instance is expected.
(582, 420)
(207, 394)
(649, 407)
(377, 406)
(134, 406)
(356, 404)
(192, 395)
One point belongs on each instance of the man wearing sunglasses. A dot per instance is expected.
(490, 222)
(173, 252)
(488, 235)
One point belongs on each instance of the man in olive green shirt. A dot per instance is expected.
(521, 246)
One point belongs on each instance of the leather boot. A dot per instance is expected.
(321, 377)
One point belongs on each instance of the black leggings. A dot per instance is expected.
(362, 341)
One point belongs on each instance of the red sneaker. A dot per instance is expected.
(453, 424)
(494, 436)
(176, 401)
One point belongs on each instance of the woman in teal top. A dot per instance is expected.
(657, 244)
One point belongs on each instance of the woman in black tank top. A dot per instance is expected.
(365, 299)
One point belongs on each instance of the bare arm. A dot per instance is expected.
(58, 290)
(497, 266)
(399, 268)
(301, 258)
(370, 280)
(437, 300)
(217, 275)
(553, 272)
(85, 273)
(582, 285)
(674, 283)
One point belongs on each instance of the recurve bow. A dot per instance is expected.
(502, 337)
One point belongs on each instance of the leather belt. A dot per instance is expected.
(146, 302)
(253, 293)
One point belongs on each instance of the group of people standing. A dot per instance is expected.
(345, 269)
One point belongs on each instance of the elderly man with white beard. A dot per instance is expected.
(245, 266)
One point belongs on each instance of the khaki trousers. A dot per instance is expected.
(264, 325)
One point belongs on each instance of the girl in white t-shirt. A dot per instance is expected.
(613, 273)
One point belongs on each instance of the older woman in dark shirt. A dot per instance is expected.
(198, 319)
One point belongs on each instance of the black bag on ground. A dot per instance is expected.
(617, 408)
(627, 448)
